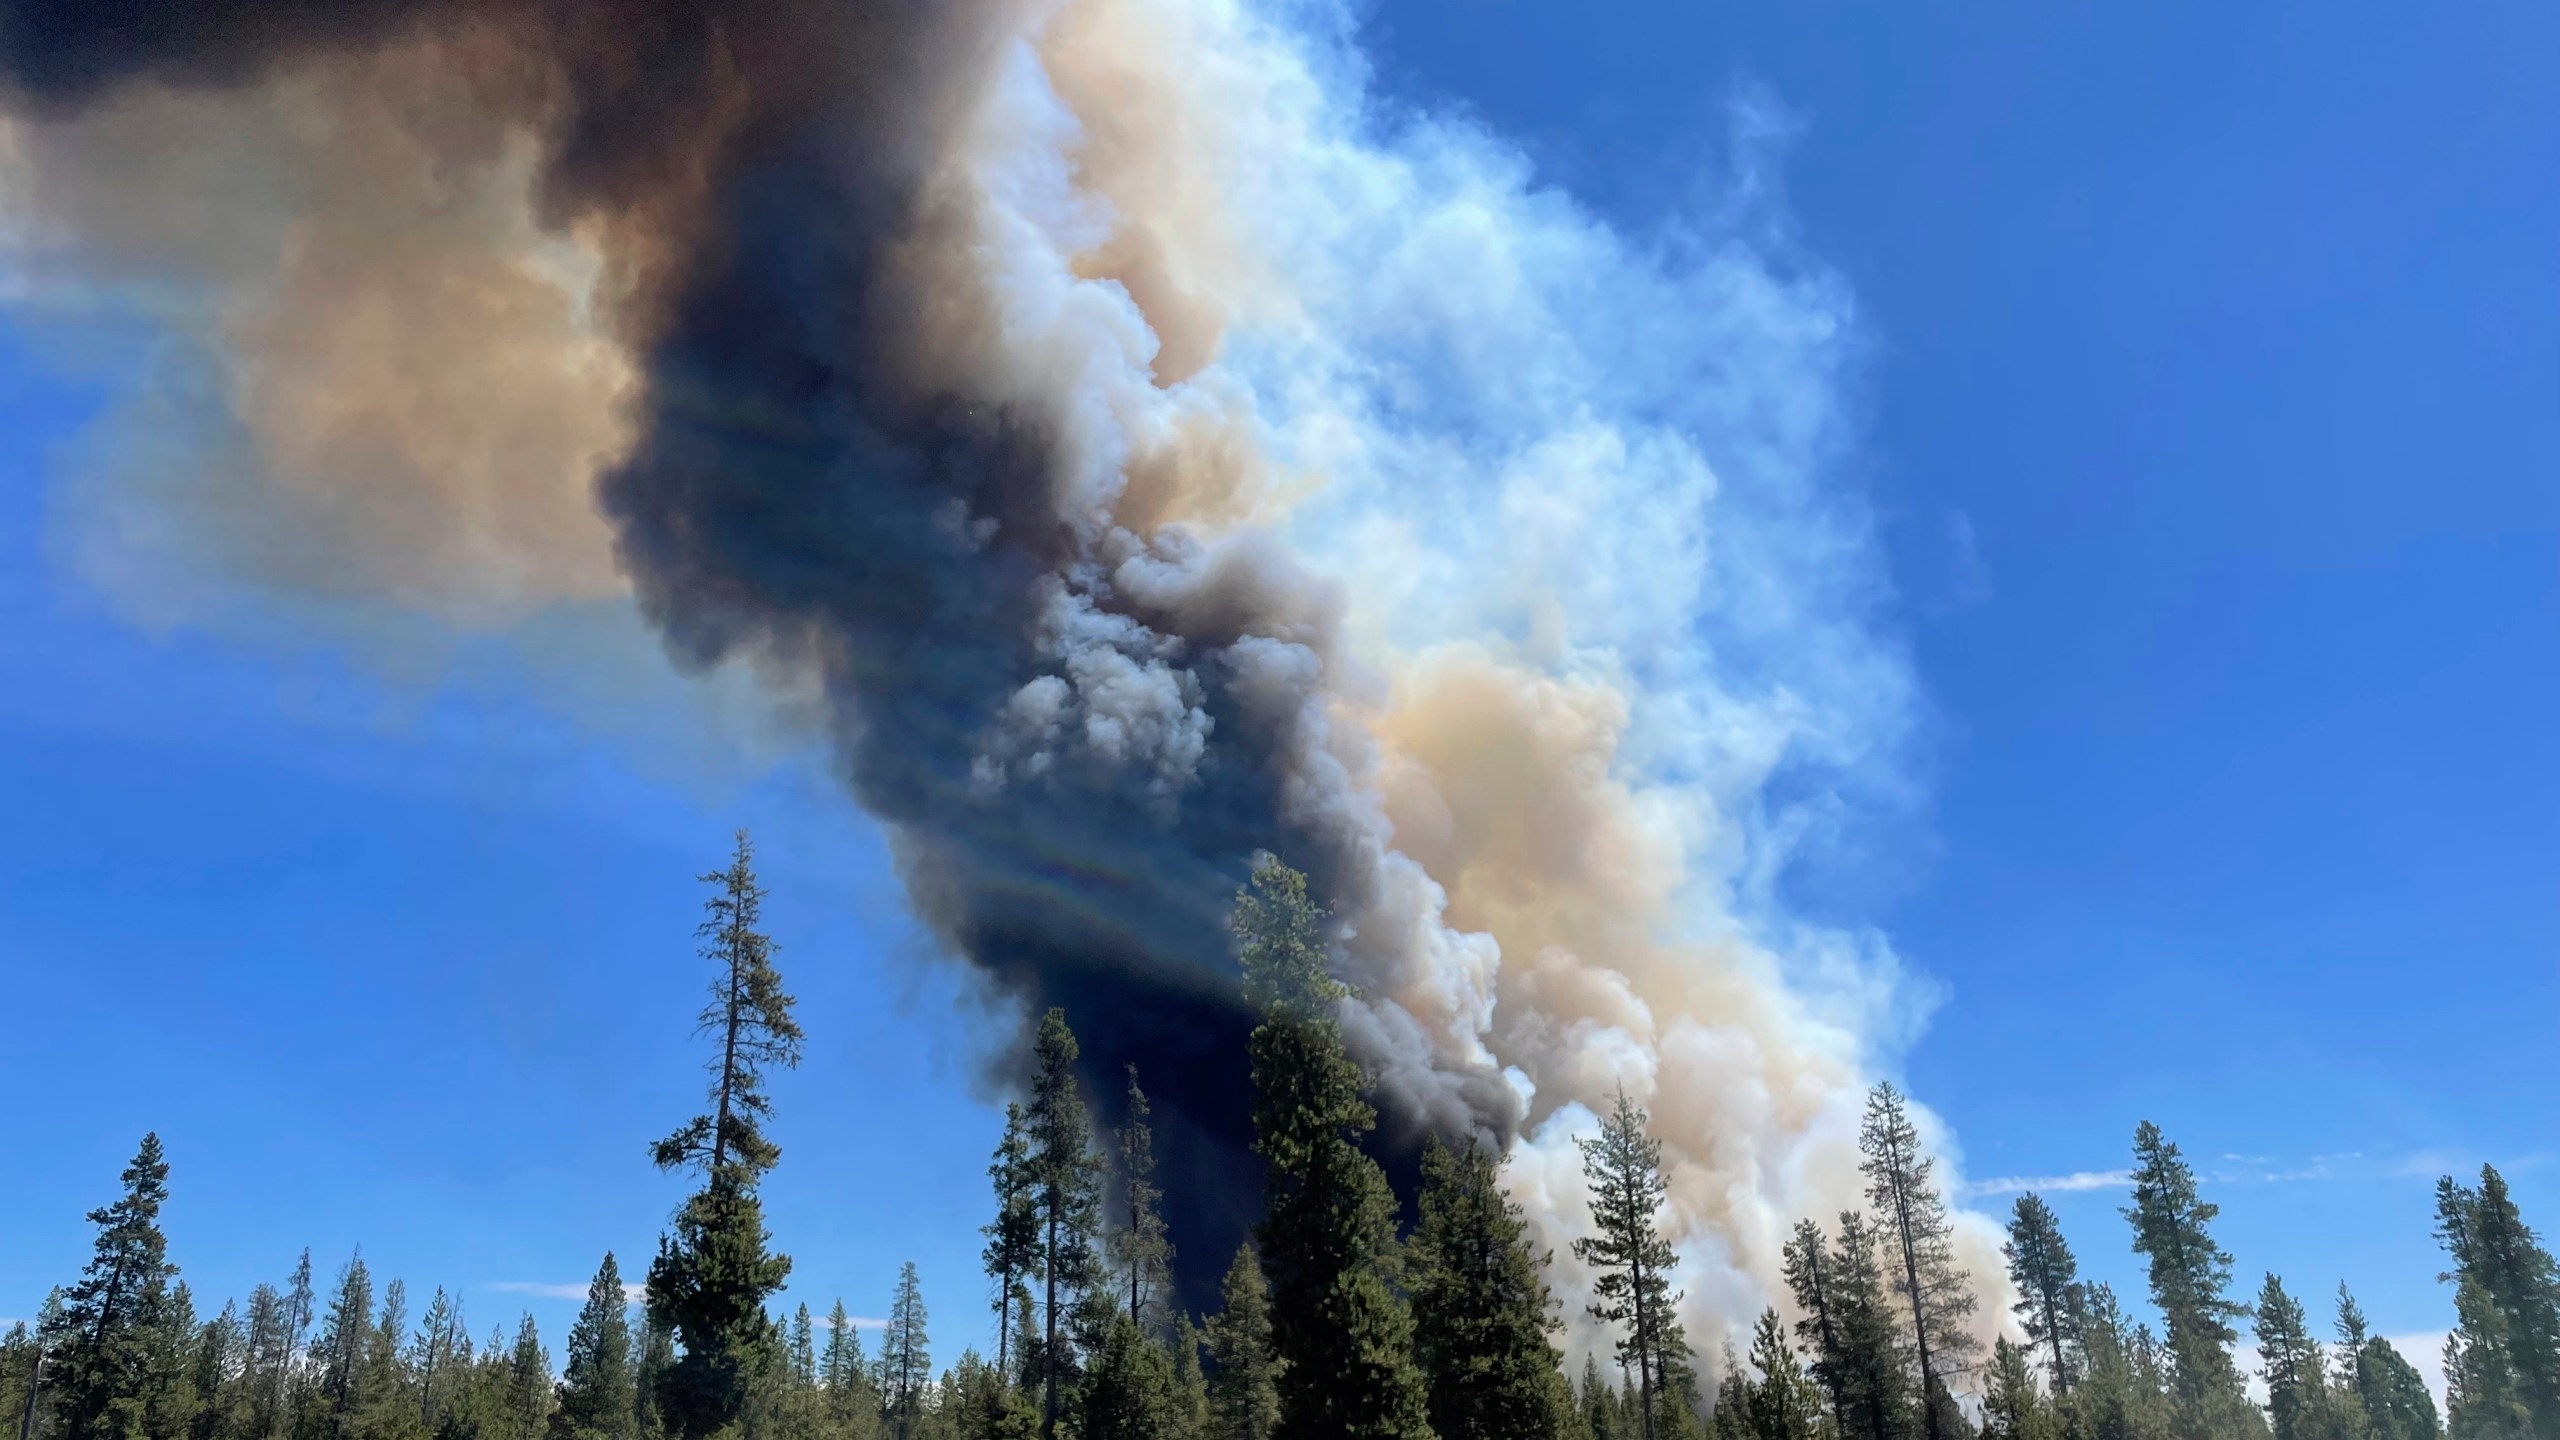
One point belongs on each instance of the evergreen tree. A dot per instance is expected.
(1190, 1382)
(2190, 1280)
(906, 1356)
(1481, 1309)
(434, 1353)
(2392, 1393)
(2119, 1397)
(1013, 1237)
(1144, 1254)
(1921, 1243)
(2511, 1318)
(852, 1406)
(2294, 1365)
(1878, 1399)
(1623, 1166)
(528, 1385)
(102, 1342)
(1342, 1334)
(1244, 1404)
(1128, 1391)
(268, 1359)
(1731, 1418)
(1806, 1262)
(653, 1358)
(1067, 1204)
(1783, 1402)
(2011, 1408)
(2048, 1284)
(385, 1405)
(218, 1364)
(596, 1400)
(710, 1280)
(338, 1352)
(168, 1361)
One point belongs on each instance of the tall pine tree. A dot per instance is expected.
(2393, 1395)
(2047, 1279)
(906, 1356)
(596, 1393)
(103, 1336)
(1920, 1241)
(1144, 1253)
(1342, 1334)
(1481, 1311)
(1623, 1166)
(2506, 1347)
(1013, 1237)
(1066, 1195)
(2190, 1284)
(1244, 1404)
(711, 1278)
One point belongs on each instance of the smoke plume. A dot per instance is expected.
(1154, 452)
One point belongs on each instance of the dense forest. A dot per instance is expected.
(1336, 1319)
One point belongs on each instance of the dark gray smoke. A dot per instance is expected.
(1078, 730)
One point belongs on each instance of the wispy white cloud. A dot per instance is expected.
(2077, 1180)
(632, 1290)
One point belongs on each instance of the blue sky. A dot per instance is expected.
(2212, 412)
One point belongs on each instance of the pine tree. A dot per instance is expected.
(528, 1384)
(1243, 1402)
(2011, 1408)
(710, 1280)
(2190, 1280)
(653, 1357)
(1623, 1166)
(218, 1364)
(852, 1406)
(1731, 1417)
(1806, 1263)
(1128, 1390)
(596, 1395)
(2120, 1396)
(1067, 1205)
(1783, 1403)
(168, 1368)
(2513, 1319)
(434, 1353)
(1144, 1254)
(906, 1356)
(1340, 1331)
(1879, 1400)
(339, 1350)
(1190, 1382)
(1013, 1237)
(101, 1339)
(385, 1405)
(1921, 1242)
(2048, 1284)
(1481, 1309)
(2392, 1393)
(2294, 1365)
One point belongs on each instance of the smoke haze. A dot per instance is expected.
(1150, 448)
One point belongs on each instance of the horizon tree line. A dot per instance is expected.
(1333, 1319)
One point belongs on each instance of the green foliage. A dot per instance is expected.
(1340, 1331)
(1128, 1391)
(1481, 1309)
(2502, 1365)
(2190, 1283)
(2047, 1278)
(2296, 1369)
(1920, 1241)
(1066, 1197)
(2012, 1409)
(1144, 1254)
(2391, 1392)
(1782, 1403)
(750, 1015)
(1244, 1404)
(109, 1336)
(906, 1356)
(1013, 1249)
(597, 1399)
(1632, 1289)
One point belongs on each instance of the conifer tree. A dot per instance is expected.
(1731, 1417)
(1340, 1331)
(2294, 1365)
(1190, 1382)
(1806, 1263)
(712, 1275)
(1921, 1268)
(1878, 1396)
(2190, 1281)
(1783, 1403)
(1243, 1402)
(653, 1357)
(100, 1341)
(852, 1408)
(1128, 1391)
(1067, 1204)
(596, 1400)
(1013, 1237)
(338, 1350)
(2048, 1284)
(385, 1407)
(2119, 1396)
(906, 1356)
(220, 1351)
(1144, 1254)
(2011, 1408)
(528, 1384)
(2506, 1346)
(2393, 1395)
(1623, 1166)
(1482, 1314)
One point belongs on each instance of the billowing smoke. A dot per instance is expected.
(1151, 451)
